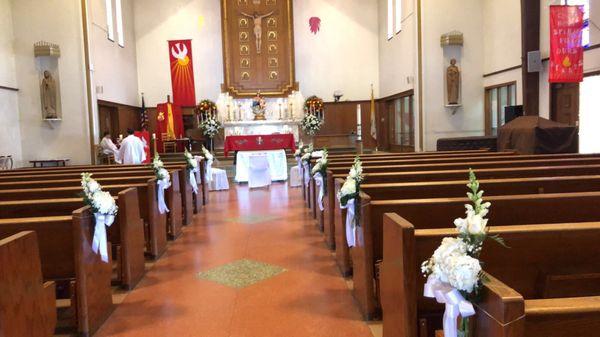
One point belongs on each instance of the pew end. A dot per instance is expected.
(27, 304)
(500, 313)
(131, 231)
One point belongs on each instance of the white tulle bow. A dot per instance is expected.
(350, 227)
(306, 174)
(193, 182)
(321, 184)
(99, 242)
(455, 303)
(208, 172)
(162, 184)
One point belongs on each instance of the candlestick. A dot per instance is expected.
(280, 117)
(292, 109)
(228, 112)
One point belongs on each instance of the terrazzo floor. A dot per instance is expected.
(252, 264)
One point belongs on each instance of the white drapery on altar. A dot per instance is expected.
(277, 162)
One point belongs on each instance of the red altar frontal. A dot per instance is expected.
(259, 142)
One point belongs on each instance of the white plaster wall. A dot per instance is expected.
(344, 54)
(398, 56)
(501, 34)
(10, 136)
(56, 21)
(439, 18)
(115, 67)
(156, 22)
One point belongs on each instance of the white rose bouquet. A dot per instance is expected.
(319, 172)
(349, 198)
(207, 154)
(311, 124)
(105, 209)
(455, 270)
(159, 170)
(299, 150)
(307, 153)
(190, 160)
(321, 164)
(210, 126)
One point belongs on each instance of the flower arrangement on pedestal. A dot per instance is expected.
(163, 181)
(210, 126)
(207, 107)
(349, 198)
(313, 105)
(313, 115)
(454, 273)
(105, 209)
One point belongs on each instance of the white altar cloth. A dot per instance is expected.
(277, 162)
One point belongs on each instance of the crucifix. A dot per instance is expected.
(257, 27)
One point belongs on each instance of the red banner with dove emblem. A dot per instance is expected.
(566, 50)
(182, 72)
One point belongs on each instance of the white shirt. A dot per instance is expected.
(132, 150)
(108, 147)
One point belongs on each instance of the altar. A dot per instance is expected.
(266, 127)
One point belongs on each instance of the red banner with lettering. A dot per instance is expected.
(182, 72)
(566, 51)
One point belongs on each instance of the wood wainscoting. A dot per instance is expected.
(340, 125)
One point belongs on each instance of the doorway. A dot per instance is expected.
(564, 103)
(108, 118)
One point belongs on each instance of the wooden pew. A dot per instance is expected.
(335, 231)
(539, 265)
(173, 195)
(27, 304)
(66, 255)
(126, 234)
(156, 241)
(440, 213)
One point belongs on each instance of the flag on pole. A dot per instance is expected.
(373, 117)
(144, 116)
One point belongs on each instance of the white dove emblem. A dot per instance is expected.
(179, 51)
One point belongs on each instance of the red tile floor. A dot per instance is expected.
(268, 230)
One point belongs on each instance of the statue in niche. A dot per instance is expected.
(453, 82)
(48, 90)
(258, 27)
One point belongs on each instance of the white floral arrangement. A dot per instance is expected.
(206, 153)
(299, 150)
(307, 153)
(100, 201)
(351, 187)
(311, 124)
(321, 164)
(190, 160)
(454, 272)
(159, 170)
(105, 209)
(210, 126)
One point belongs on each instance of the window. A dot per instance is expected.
(402, 131)
(110, 29)
(119, 13)
(398, 16)
(585, 38)
(390, 19)
(496, 99)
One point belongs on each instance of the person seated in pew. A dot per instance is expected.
(132, 149)
(108, 147)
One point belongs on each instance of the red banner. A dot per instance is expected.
(566, 51)
(182, 72)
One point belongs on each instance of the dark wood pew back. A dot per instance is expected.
(27, 304)
(66, 254)
(540, 255)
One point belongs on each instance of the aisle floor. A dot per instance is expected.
(253, 264)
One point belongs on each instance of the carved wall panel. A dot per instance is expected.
(258, 47)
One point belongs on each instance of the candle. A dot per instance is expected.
(153, 135)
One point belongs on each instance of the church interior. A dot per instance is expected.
(245, 168)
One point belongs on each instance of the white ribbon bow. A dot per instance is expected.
(193, 180)
(99, 242)
(454, 301)
(299, 162)
(162, 184)
(306, 174)
(350, 227)
(319, 182)
(208, 172)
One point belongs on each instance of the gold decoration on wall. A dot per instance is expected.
(273, 62)
(243, 23)
(256, 2)
(244, 49)
(271, 2)
(245, 63)
(244, 36)
(272, 23)
(272, 49)
(242, 2)
(245, 76)
(272, 35)
(273, 75)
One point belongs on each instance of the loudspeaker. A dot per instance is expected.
(534, 61)
(512, 112)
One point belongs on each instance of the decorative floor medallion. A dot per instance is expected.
(241, 273)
